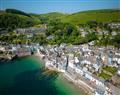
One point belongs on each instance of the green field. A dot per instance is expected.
(98, 15)
(107, 72)
(105, 76)
(112, 70)
(104, 15)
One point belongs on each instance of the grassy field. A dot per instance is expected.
(112, 70)
(96, 15)
(106, 15)
(107, 72)
(104, 76)
(53, 15)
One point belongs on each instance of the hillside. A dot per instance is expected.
(23, 15)
(12, 19)
(93, 15)
(104, 15)
(53, 15)
(45, 18)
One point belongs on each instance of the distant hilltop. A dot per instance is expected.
(104, 15)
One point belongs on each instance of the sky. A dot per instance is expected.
(64, 6)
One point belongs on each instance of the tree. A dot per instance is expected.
(40, 38)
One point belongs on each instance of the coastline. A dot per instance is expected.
(85, 90)
(65, 76)
(83, 87)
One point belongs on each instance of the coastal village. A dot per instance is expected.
(60, 47)
(93, 68)
(82, 64)
(85, 63)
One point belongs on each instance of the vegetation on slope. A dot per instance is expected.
(12, 19)
(14, 11)
(46, 18)
(103, 16)
(95, 15)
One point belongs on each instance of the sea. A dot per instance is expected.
(28, 76)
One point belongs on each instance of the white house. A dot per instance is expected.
(83, 34)
(88, 76)
(79, 71)
(2, 48)
(76, 60)
(71, 60)
(71, 63)
(118, 70)
(96, 66)
(85, 62)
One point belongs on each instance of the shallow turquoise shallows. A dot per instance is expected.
(26, 76)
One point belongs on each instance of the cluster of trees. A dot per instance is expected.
(62, 32)
(14, 38)
(104, 40)
(67, 33)
(10, 21)
(110, 40)
(39, 38)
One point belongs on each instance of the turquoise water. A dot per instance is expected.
(26, 76)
